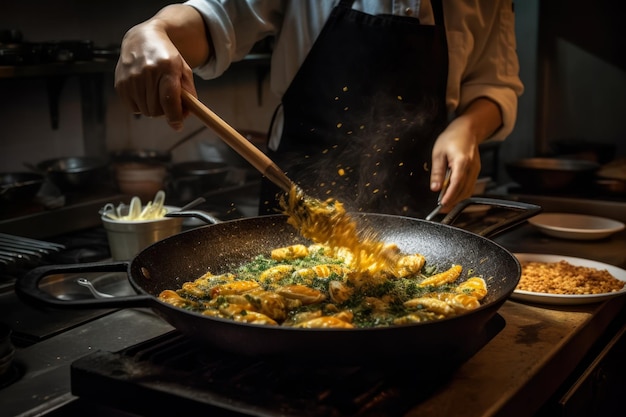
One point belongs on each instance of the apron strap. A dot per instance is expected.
(437, 11)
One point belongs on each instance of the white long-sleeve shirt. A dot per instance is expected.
(481, 44)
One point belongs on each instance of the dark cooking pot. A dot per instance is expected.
(192, 178)
(551, 173)
(222, 246)
(211, 173)
(585, 149)
(141, 156)
(152, 156)
(23, 186)
(75, 172)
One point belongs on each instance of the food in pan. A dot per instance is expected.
(317, 286)
(327, 223)
(564, 278)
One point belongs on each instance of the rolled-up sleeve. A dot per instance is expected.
(234, 26)
(483, 58)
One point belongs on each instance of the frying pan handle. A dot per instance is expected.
(27, 288)
(198, 214)
(187, 212)
(524, 211)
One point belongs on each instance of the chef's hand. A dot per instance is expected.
(154, 63)
(459, 152)
(457, 148)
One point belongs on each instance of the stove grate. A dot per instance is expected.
(186, 374)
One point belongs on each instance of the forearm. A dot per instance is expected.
(479, 120)
(185, 27)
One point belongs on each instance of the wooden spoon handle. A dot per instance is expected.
(240, 144)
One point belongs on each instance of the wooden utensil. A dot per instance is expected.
(240, 144)
(321, 222)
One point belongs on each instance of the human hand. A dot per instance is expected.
(151, 72)
(456, 149)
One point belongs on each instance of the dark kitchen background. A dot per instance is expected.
(529, 360)
(572, 65)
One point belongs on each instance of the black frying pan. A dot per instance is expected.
(220, 247)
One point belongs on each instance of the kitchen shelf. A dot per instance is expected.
(54, 69)
(91, 75)
(98, 66)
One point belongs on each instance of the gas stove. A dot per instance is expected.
(190, 376)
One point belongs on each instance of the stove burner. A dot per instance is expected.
(190, 376)
(9, 372)
(83, 246)
(10, 375)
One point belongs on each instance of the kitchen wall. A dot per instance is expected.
(520, 142)
(573, 64)
(582, 62)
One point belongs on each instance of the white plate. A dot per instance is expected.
(575, 226)
(565, 299)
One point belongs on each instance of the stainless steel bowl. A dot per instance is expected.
(128, 237)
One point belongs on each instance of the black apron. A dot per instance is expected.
(363, 112)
